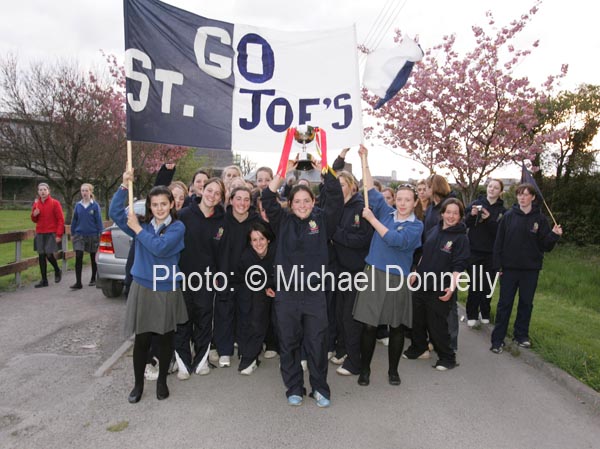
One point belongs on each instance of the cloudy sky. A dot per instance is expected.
(78, 29)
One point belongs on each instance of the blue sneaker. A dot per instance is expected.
(295, 400)
(322, 401)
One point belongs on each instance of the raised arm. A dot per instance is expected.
(334, 202)
(116, 211)
(269, 197)
(340, 161)
(165, 175)
(368, 180)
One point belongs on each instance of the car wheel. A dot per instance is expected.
(112, 289)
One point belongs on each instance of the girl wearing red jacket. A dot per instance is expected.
(47, 214)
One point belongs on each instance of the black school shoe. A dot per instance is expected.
(162, 391)
(41, 284)
(364, 378)
(136, 394)
(58, 276)
(394, 378)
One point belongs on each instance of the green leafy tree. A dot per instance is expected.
(577, 114)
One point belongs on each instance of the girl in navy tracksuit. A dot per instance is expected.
(445, 256)
(351, 241)
(155, 306)
(439, 190)
(483, 216)
(204, 233)
(302, 236)
(86, 228)
(231, 308)
(523, 236)
(259, 253)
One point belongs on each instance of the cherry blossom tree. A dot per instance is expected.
(468, 114)
(68, 127)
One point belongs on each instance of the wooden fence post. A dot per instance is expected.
(18, 259)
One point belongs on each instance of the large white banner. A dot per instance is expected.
(205, 83)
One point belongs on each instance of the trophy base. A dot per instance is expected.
(304, 165)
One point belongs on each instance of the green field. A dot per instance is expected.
(19, 220)
(566, 315)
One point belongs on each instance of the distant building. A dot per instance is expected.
(216, 160)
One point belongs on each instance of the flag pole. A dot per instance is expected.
(363, 159)
(129, 168)
(550, 212)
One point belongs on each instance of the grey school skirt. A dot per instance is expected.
(45, 243)
(153, 311)
(87, 243)
(376, 305)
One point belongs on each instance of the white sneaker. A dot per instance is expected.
(338, 361)
(182, 371)
(304, 364)
(151, 372)
(250, 369)
(385, 341)
(213, 356)
(203, 369)
(471, 323)
(270, 354)
(330, 354)
(224, 361)
(343, 371)
(485, 321)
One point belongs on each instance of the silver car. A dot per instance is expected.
(112, 256)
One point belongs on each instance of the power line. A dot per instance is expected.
(389, 22)
(375, 25)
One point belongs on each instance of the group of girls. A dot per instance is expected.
(86, 226)
(225, 228)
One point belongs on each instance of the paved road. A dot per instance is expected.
(53, 340)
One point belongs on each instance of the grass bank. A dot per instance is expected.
(566, 315)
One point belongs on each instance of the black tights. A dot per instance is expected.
(368, 339)
(141, 347)
(43, 267)
(79, 265)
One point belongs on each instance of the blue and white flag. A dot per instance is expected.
(200, 82)
(387, 70)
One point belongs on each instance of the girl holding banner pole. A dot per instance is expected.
(302, 235)
(397, 235)
(153, 306)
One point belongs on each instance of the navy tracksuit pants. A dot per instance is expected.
(232, 315)
(512, 280)
(480, 289)
(197, 329)
(431, 315)
(302, 322)
(261, 314)
(349, 330)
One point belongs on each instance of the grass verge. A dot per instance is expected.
(566, 315)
